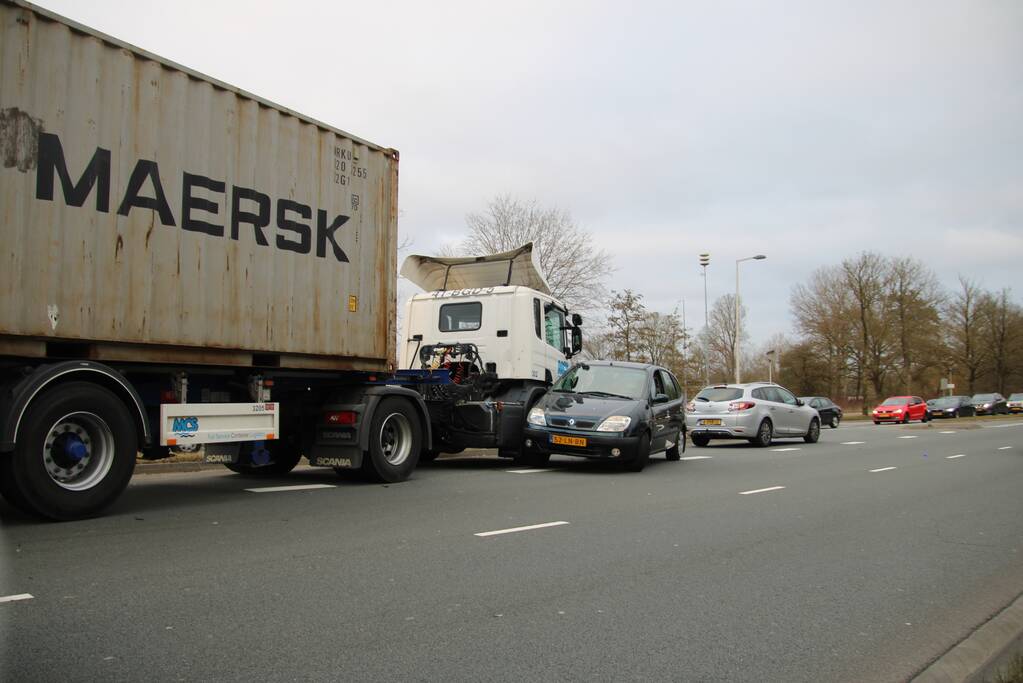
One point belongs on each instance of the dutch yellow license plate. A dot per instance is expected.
(711, 422)
(568, 440)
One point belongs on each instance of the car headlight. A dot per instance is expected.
(615, 423)
(537, 417)
(987, 405)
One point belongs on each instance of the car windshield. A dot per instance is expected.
(984, 397)
(944, 401)
(603, 380)
(719, 394)
(1016, 397)
(895, 401)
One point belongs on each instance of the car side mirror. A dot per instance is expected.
(661, 398)
(577, 341)
(799, 402)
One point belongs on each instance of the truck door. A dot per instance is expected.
(554, 335)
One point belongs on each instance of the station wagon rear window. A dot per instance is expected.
(719, 394)
(461, 317)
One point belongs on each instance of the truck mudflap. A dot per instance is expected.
(218, 423)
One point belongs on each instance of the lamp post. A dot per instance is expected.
(770, 365)
(735, 346)
(705, 261)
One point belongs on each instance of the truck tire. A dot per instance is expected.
(395, 439)
(74, 455)
(283, 458)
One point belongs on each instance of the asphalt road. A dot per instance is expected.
(873, 559)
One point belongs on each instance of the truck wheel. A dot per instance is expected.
(394, 442)
(282, 458)
(642, 456)
(75, 453)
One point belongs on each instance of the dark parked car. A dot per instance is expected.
(610, 410)
(830, 413)
(990, 404)
(951, 406)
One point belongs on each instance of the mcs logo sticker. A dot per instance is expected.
(186, 424)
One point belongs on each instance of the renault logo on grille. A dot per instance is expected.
(571, 422)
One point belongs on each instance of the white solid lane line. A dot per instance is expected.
(882, 469)
(953, 457)
(782, 450)
(15, 598)
(771, 488)
(519, 528)
(1005, 448)
(907, 437)
(301, 487)
(534, 471)
(947, 431)
(696, 457)
(851, 443)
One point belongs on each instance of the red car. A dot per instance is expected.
(901, 409)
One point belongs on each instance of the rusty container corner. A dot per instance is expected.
(145, 207)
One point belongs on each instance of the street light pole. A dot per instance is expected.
(705, 261)
(735, 346)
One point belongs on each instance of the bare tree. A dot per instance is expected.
(913, 303)
(962, 313)
(719, 336)
(1002, 325)
(575, 270)
(627, 316)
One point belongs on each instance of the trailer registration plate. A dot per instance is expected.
(568, 440)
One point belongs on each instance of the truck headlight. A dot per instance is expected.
(537, 417)
(615, 423)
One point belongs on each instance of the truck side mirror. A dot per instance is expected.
(577, 341)
(577, 319)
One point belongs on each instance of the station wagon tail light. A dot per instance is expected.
(615, 423)
(537, 417)
(739, 406)
(341, 417)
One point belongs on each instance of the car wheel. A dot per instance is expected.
(642, 455)
(700, 440)
(765, 432)
(877, 422)
(673, 453)
(905, 418)
(813, 434)
(834, 422)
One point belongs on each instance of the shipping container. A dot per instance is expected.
(150, 213)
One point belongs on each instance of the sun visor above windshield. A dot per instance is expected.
(516, 267)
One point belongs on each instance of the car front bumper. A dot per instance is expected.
(599, 445)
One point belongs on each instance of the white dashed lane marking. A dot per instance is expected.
(520, 528)
(852, 443)
(696, 457)
(770, 488)
(882, 469)
(1005, 448)
(948, 431)
(16, 598)
(534, 471)
(782, 450)
(301, 487)
(953, 457)
(907, 437)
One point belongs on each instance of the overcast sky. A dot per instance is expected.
(807, 131)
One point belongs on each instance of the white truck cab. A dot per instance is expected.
(482, 344)
(499, 303)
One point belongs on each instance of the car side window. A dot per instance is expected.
(784, 396)
(760, 394)
(670, 388)
(817, 403)
(658, 384)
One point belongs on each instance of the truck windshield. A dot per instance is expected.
(603, 379)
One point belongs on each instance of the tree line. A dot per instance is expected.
(868, 327)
